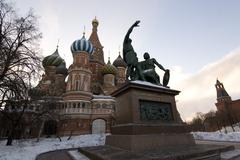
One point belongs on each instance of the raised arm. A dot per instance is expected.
(130, 31)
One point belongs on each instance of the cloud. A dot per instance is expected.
(198, 93)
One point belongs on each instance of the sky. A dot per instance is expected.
(199, 41)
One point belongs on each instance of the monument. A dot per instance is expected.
(146, 112)
(148, 124)
(144, 70)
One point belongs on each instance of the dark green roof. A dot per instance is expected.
(52, 60)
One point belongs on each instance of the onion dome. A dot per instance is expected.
(52, 60)
(119, 62)
(61, 69)
(82, 45)
(95, 22)
(109, 68)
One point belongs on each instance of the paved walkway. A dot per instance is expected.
(64, 155)
(55, 155)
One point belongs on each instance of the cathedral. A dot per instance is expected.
(76, 100)
(82, 92)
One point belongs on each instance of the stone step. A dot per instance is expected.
(75, 155)
(231, 155)
(207, 157)
(197, 152)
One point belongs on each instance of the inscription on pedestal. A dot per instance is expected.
(155, 111)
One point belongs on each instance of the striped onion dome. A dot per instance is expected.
(82, 45)
(52, 60)
(109, 68)
(119, 62)
(61, 69)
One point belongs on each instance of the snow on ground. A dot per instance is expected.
(28, 149)
(229, 128)
(217, 136)
(225, 134)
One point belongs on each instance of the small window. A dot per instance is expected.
(98, 106)
(104, 105)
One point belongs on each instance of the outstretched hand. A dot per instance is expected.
(136, 24)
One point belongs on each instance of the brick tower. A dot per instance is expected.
(223, 98)
(96, 58)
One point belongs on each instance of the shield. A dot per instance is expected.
(166, 78)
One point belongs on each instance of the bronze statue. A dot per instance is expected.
(144, 70)
(130, 57)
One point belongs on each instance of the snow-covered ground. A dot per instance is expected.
(230, 129)
(29, 149)
(217, 136)
(225, 134)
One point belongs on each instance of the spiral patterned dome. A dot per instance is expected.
(109, 69)
(119, 62)
(61, 69)
(82, 45)
(52, 60)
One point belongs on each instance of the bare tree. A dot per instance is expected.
(197, 123)
(211, 122)
(19, 62)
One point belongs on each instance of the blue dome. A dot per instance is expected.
(82, 45)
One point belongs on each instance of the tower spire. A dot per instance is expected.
(119, 52)
(222, 94)
(109, 62)
(57, 44)
(84, 30)
(97, 54)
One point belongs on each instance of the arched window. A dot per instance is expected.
(70, 82)
(98, 106)
(74, 105)
(104, 105)
(77, 82)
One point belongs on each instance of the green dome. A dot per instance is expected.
(52, 60)
(61, 69)
(109, 69)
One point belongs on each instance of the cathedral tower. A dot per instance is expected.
(53, 81)
(79, 78)
(121, 68)
(109, 72)
(96, 58)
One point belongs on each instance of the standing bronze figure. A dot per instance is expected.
(144, 70)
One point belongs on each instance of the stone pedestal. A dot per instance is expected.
(147, 118)
(149, 127)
